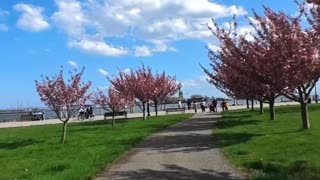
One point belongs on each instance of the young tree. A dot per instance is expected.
(293, 56)
(141, 84)
(63, 96)
(163, 86)
(114, 101)
(136, 84)
(234, 66)
(284, 54)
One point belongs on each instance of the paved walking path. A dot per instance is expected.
(131, 115)
(185, 151)
(57, 121)
(97, 118)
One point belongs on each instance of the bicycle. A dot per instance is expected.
(81, 116)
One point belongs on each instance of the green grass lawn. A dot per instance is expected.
(267, 149)
(35, 152)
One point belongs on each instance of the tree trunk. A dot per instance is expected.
(144, 110)
(305, 115)
(148, 108)
(261, 107)
(272, 109)
(252, 105)
(113, 121)
(248, 105)
(64, 133)
(156, 107)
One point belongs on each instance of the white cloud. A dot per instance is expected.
(73, 64)
(190, 83)
(160, 21)
(103, 72)
(97, 47)
(213, 47)
(203, 78)
(31, 18)
(70, 17)
(195, 83)
(3, 27)
(142, 51)
(161, 46)
(247, 31)
(158, 46)
(127, 70)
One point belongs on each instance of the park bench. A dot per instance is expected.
(32, 117)
(175, 110)
(121, 113)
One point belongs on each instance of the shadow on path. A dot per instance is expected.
(185, 151)
(174, 172)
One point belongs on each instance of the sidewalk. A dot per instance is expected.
(185, 151)
(97, 118)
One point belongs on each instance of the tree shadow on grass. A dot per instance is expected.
(224, 124)
(240, 111)
(237, 116)
(227, 139)
(18, 144)
(172, 172)
(101, 122)
(287, 132)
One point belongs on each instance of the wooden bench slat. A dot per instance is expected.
(121, 113)
(31, 117)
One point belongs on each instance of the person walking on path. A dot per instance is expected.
(203, 106)
(214, 105)
(223, 105)
(227, 106)
(195, 106)
(189, 104)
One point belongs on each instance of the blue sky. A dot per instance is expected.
(37, 37)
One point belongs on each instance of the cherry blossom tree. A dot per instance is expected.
(317, 2)
(114, 101)
(136, 84)
(144, 86)
(64, 96)
(293, 52)
(283, 55)
(163, 86)
(234, 67)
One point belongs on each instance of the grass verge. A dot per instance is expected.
(35, 152)
(267, 149)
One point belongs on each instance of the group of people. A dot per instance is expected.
(224, 105)
(85, 112)
(37, 115)
(195, 106)
(212, 107)
(202, 106)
